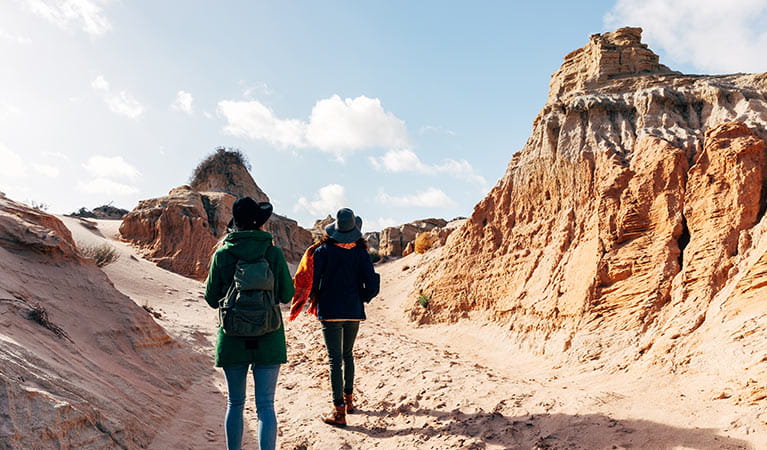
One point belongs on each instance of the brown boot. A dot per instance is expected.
(337, 417)
(349, 402)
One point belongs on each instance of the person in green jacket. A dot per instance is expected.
(265, 353)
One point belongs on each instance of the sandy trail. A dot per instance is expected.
(435, 387)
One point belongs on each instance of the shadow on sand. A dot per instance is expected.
(544, 431)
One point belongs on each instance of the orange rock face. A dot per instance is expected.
(175, 231)
(25, 228)
(633, 215)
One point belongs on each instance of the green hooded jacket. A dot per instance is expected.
(268, 349)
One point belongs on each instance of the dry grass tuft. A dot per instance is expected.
(102, 254)
(39, 315)
(424, 241)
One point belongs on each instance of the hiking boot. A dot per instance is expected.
(337, 417)
(349, 402)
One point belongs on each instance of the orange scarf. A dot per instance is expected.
(304, 280)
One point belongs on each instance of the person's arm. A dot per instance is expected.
(283, 282)
(320, 261)
(215, 288)
(371, 281)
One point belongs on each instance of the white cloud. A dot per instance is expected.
(430, 198)
(23, 40)
(106, 187)
(336, 126)
(46, 170)
(405, 160)
(704, 33)
(253, 120)
(11, 164)
(183, 102)
(119, 102)
(114, 167)
(85, 14)
(378, 224)
(328, 200)
(343, 126)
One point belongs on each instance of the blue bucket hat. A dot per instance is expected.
(347, 228)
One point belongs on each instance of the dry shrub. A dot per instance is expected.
(424, 241)
(39, 315)
(102, 253)
(218, 162)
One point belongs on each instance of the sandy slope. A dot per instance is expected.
(436, 387)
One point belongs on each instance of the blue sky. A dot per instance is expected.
(399, 110)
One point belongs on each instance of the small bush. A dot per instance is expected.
(102, 254)
(40, 206)
(150, 310)
(218, 162)
(374, 256)
(39, 315)
(424, 241)
(423, 300)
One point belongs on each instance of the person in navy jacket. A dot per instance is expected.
(343, 281)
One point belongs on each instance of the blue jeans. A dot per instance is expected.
(339, 340)
(265, 379)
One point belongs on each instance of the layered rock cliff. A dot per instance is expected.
(180, 231)
(81, 365)
(632, 219)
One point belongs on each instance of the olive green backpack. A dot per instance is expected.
(249, 308)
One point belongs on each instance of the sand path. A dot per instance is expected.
(435, 387)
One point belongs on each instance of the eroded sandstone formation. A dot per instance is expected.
(180, 231)
(633, 216)
(81, 365)
(176, 231)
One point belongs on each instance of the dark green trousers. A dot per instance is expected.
(339, 340)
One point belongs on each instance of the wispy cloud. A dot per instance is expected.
(19, 39)
(378, 224)
(336, 126)
(111, 167)
(46, 170)
(183, 102)
(705, 33)
(11, 164)
(249, 90)
(84, 14)
(58, 155)
(396, 161)
(106, 187)
(121, 102)
(328, 200)
(430, 198)
(431, 129)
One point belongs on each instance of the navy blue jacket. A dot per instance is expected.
(344, 280)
